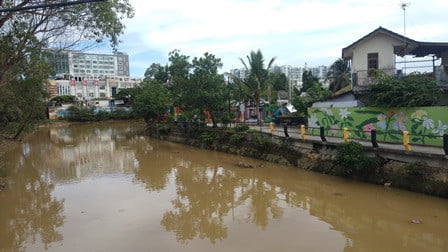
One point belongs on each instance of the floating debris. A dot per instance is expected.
(387, 184)
(415, 221)
(245, 165)
(338, 194)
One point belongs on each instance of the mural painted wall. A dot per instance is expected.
(426, 125)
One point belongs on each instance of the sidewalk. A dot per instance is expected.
(295, 133)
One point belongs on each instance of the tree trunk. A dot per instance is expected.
(22, 127)
(257, 105)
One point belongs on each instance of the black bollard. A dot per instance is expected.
(445, 143)
(322, 134)
(285, 129)
(373, 138)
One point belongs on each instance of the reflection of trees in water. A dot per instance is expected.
(204, 197)
(28, 210)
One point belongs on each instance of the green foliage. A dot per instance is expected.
(263, 143)
(87, 114)
(157, 72)
(164, 128)
(80, 114)
(308, 80)
(236, 138)
(152, 102)
(339, 75)
(258, 78)
(350, 159)
(64, 99)
(127, 94)
(207, 137)
(279, 80)
(413, 90)
(241, 128)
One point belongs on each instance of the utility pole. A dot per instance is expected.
(404, 6)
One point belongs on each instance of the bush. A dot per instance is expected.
(80, 114)
(207, 137)
(241, 128)
(350, 160)
(164, 129)
(236, 138)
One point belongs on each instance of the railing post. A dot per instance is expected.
(271, 128)
(322, 134)
(285, 129)
(445, 143)
(303, 132)
(346, 135)
(406, 144)
(373, 138)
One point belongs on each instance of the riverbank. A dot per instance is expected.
(417, 177)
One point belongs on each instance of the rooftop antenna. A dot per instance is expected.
(404, 6)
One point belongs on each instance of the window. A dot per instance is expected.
(102, 95)
(372, 61)
(90, 94)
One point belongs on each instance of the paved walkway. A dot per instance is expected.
(295, 133)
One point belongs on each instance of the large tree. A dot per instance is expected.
(339, 75)
(152, 101)
(308, 80)
(24, 34)
(206, 89)
(258, 77)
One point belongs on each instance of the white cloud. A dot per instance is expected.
(309, 30)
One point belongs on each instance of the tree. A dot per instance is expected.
(308, 80)
(414, 90)
(258, 77)
(153, 101)
(339, 75)
(157, 72)
(178, 70)
(24, 36)
(26, 30)
(128, 94)
(206, 89)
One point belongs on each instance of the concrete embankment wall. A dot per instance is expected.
(392, 169)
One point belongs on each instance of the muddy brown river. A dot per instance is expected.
(105, 187)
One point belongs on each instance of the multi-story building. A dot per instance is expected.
(88, 88)
(90, 76)
(74, 63)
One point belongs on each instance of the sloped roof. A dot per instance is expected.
(414, 47)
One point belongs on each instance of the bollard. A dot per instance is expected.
(285, 129)
(303, 132)
(271, 128)
(406, 144)
(345, 134)
(373, 138)
(445, 143)
(322, 134)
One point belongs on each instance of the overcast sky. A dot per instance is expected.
(294, 31)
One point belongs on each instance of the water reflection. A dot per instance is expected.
(28, 210)
(208, 190)
(192, 196)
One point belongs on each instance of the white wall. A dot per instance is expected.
(381, 44)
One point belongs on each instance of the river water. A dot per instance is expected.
(105, 187)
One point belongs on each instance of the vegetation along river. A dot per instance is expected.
(106, 187)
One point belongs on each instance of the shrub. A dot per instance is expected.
(207, 137)
(350, 159)
(241, 128)
(164, 129)
(236, 138)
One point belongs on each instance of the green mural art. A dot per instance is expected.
(426, 125)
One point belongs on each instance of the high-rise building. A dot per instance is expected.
(74, 63)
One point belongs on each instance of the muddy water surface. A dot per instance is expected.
(104, 187)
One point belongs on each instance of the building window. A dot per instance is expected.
(102, 95)
(91, 94)
(372, 61)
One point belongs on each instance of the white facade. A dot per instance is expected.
(94, 88)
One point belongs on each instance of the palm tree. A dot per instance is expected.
(257, 78)
(339, 75)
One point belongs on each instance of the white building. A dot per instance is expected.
(74, 63)
(88, 88)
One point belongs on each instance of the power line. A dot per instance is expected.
(51, 5)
